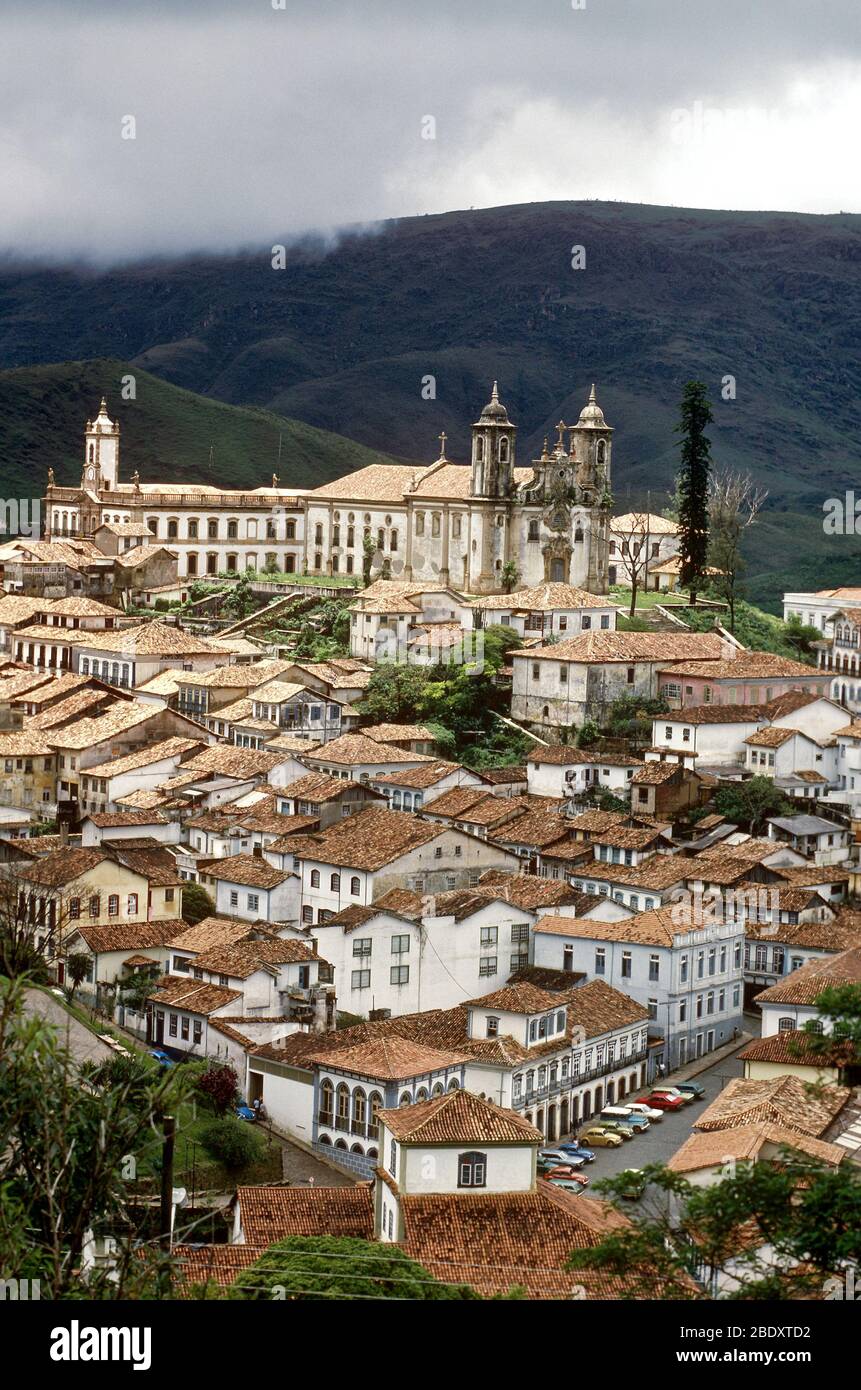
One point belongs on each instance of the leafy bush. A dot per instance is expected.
(219, 1086)
(232, 1143)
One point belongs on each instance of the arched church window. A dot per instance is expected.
(232, 529)
(578, 535)
(92, 453)
(172, 528)
(602, 450)
(479, 449)
(534, 534)
(503, 451)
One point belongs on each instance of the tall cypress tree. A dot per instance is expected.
(692, 485)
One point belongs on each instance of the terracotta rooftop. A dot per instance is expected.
(272, 1213)
(128, 936)
(783, 1100)
(805, 985)
(352, 750)
(426, 775)
(745, 666)
(192, 995)
(372, 839)
(251, 870)
(520, 998)
(752, 1143)
(170, 748)
(458, 1118)
(114, 820)
(318, 787)
(656, 928)
(795, 1047)
(543, 598)
(212, 932)
(390, 1059)
(604, 646)
(241, 959)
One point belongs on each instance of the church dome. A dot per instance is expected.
(494, 412)
(592, 414)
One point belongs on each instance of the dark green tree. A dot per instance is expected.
(395, 693)
(196, 903)
(750, 803)
(692, 486)
(341, 1267)
(776, 1230)
(68, 1153)
(77, 968)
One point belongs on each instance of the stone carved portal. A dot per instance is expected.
(557, 560)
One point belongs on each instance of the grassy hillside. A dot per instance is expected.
(343, 336)
(166, 433)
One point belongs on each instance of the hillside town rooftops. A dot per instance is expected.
(128, 936)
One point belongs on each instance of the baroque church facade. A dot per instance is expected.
(478, 527)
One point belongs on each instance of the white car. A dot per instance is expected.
(647, 1111)
(684, 1096)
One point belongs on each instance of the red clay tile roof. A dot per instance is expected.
(805, 985)
(192, 995)
(459, 1118)
(269, 1214)
(784, 1100)
(390, 1059)
(794, 1046)
(746, 1142)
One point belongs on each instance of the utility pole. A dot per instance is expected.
(166, 1199)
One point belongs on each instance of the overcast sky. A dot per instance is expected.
(253, 122)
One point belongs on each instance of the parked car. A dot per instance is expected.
(616, 1126)
(694, 1087)
(568, 1185)
(662, 1101)
(683, 1096)
(567, 1173)
(602, 1138)
(577, 1151)
(162, 1057)
(625, 1116)
(550, 1158)
(638, 1108)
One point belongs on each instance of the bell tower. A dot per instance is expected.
(101, 452)
(493, 438)
(591, 444)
